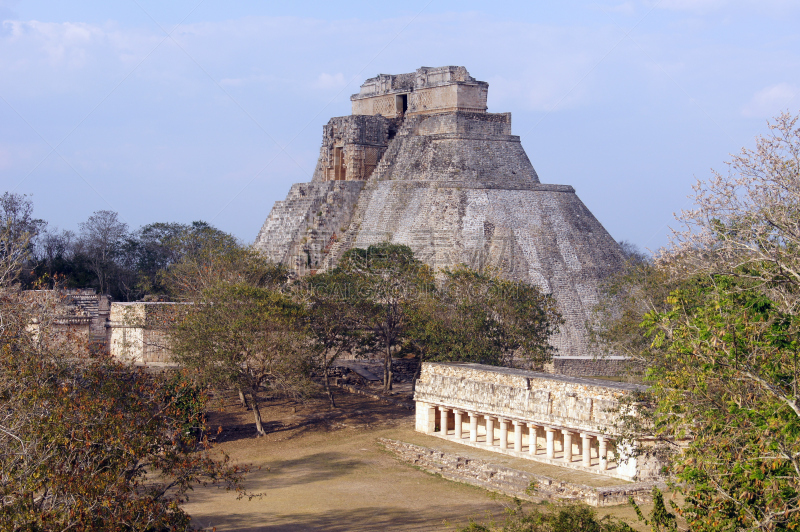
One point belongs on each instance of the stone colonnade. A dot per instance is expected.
(531, 440)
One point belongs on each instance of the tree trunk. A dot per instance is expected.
(257, 414)
(387, 370)
(328, 386)
(242, 398)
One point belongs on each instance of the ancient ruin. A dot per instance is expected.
(137, 332)
(420, 162)
(131, 332)
(564, 421)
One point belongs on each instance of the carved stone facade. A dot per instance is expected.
(352, 147)
(565, 421)
(452, 183)
(428, 90)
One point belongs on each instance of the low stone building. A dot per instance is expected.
(556, 419)
(137, 332)
(74, 316)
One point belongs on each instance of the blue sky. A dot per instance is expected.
(211, 110)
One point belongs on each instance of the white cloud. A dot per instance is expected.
(770, 100)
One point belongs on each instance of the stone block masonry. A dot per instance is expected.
(138, 331)
(514, 482)
(430, 168)
(590, 366)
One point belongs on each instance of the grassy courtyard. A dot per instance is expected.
(321, 469)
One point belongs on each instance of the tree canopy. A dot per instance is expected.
(715, 319)
(87, 443)
(244, 336)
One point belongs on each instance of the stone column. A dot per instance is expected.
(567, 445)
(503, 432)
(457, 414)
(603, 453)
(551, 443)
(473, 427)
(518, 435)
(586, 449)
(430, 426)
(443, 423)
(533, 435)
(489, 430)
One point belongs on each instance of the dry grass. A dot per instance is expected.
(321, 469)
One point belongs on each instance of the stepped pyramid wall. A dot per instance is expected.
(451, 182)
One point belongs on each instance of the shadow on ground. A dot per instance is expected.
(310, 468)
(355, 520)
(286, 419)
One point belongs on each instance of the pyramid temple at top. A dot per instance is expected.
(420, 162)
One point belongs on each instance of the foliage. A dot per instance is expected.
(187, 402)
(719, 335)
(466, 316)
(90, 444)
(728, 380)
(628, 296)
(479, 317)
(332, 318)
(660, 517)
(207, 256)
(747, 223)
(557, 519)
(244, 336)
(158, 260)
(387, 280)
(18, 230)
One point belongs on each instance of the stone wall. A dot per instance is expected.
(590, 366)
(513, 482)
(137, 331)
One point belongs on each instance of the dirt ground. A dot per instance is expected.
(321, 469)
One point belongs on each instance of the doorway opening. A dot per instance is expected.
(339, 168)
(401, 104)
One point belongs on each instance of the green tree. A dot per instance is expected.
(202, 256)
(101, 240)
(388, 280)
(244, 336)
(479, 317)
(18, 232)
(333, 318)
(727, 380)
(86, 443)
(719, 336)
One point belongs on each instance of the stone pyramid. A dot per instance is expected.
(420, 162)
